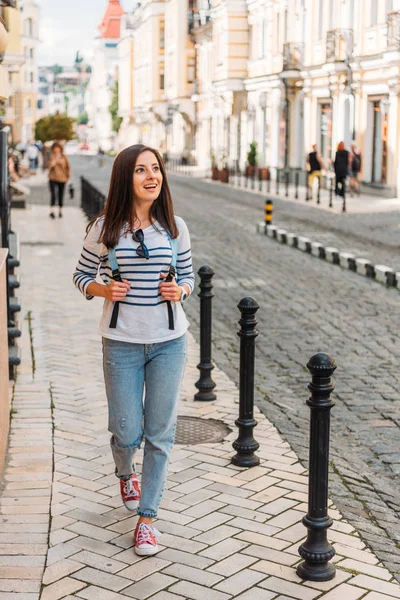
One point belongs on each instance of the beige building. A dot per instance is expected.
(157, 77)
(22, 24)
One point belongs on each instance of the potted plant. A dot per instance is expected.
(263, 173)
(224, 172)
(251, 167)
(214, 167)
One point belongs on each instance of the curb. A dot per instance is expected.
(362, 266)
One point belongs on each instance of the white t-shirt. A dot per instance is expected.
(143, 314)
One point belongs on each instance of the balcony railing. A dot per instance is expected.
(198, 19)
(293, 53)
(339, 45)
(393, 30)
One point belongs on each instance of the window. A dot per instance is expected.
(374, 12)
(325, 123)
(162, 79)
(251, 35)
(320, 19)
(31, 78)
(29, 27)
(191, 72)
(162, 34)
(379, 140)
(40, 104)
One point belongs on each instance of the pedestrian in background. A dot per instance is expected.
(33, 157)
(341, 165)
(314, 167)
(354, 170)
(59, 173)
(144, 344)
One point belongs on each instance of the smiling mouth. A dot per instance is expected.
(153, 186)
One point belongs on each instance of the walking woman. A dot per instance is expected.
(59, 173)
(341, 165)
(143, 325)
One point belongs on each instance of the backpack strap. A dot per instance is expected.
(171, 275)
(112, 259)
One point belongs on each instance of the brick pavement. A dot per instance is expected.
(227, 532)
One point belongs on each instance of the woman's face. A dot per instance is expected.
(57, 150)
(147, 178)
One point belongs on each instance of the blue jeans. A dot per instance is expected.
(129, 371)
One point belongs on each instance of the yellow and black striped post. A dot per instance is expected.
(269, 207)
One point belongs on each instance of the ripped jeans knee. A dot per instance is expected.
(123, 453)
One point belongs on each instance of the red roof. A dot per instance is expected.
(111, 24)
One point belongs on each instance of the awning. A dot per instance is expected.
(11, 3)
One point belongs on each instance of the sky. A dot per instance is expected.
(67, 26)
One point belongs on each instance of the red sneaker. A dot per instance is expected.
(130, 492)
(145, 538)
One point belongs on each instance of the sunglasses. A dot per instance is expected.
(142, 251)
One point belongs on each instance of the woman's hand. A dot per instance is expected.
(117, 290)
(170, 290)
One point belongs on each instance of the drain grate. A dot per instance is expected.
(193, 430)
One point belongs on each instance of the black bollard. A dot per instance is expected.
(245, 445)
(269, 183)
(316, 550)
(286, 184)
(277, 181)
(296, 185)
(205, 384)
(344, 196)
(319, 191)
(331, 193)
(253, 179)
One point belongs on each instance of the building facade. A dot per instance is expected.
(209, 77)
(98, 97)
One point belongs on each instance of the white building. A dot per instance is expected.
(104, 75)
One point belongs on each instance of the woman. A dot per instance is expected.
(341, 165)
(144, 346)
(59, 173)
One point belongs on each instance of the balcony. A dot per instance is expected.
(198, 19)
(339, 45)
(293, 53)
(393, 31)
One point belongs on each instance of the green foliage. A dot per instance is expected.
(252, 157)
(54, 127)
(57, 69)
(113, 108)
(213, 159)
(83, 118)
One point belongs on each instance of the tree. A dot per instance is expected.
(252, 157)
(54, 127)
(56, 69)
(116, 119)
(83, 118)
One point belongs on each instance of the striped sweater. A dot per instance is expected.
(143, 316)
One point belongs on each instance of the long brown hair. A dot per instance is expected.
(120, 212)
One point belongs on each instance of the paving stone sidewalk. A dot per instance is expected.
(227, 532)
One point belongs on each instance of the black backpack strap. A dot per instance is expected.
(112, 259)
(170, 276)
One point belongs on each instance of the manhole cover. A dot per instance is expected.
(193, 430)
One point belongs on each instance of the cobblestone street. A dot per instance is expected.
(307, 305)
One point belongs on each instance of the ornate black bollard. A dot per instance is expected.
(331, 193)
(277, 181)
(316, 550)
(296, 185)
(245, 445)
(286, 184)
(205, 384)
(344, 196)
(319, 191)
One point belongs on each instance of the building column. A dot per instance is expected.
(393, 136)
